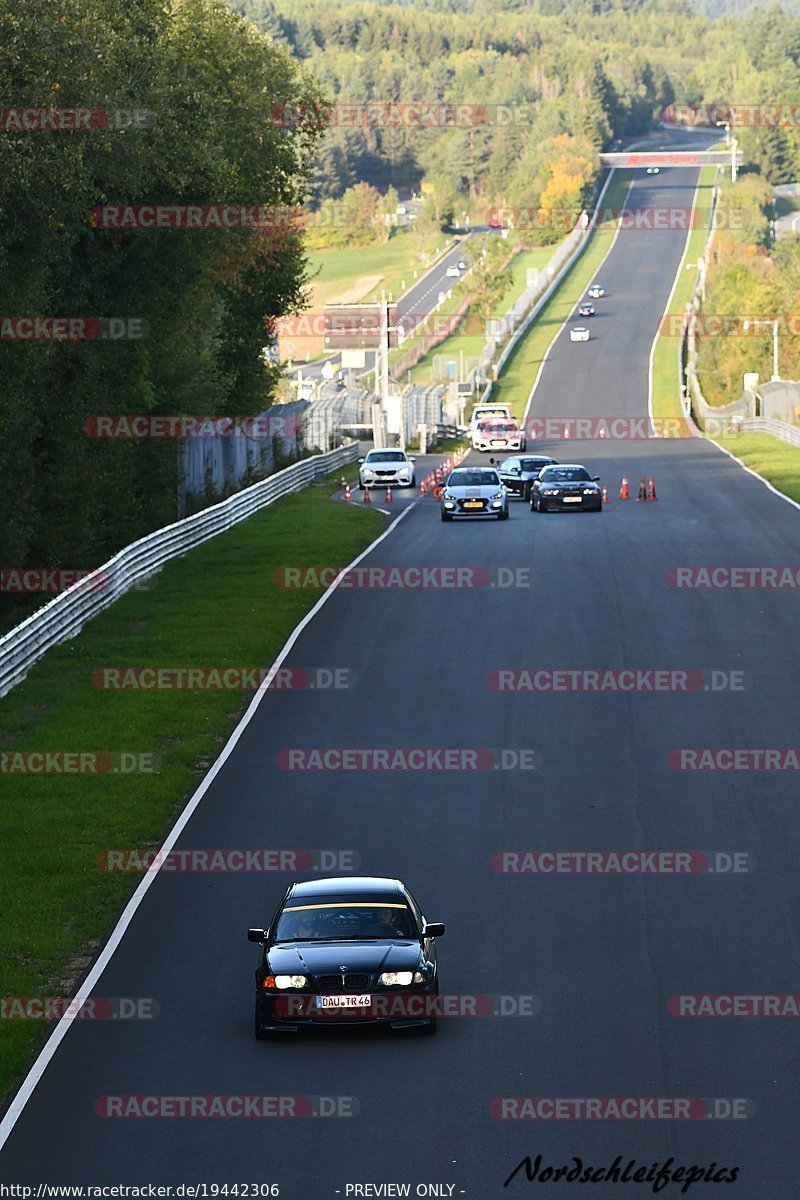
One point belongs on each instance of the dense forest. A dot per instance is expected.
(182, 99)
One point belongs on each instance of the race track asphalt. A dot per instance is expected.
(600, 954)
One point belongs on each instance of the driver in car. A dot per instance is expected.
(384, 924)
(304, 927)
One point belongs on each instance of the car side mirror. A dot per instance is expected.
(361, 460)
(411, 458)
(595, 478)
(256, 935)
(433, 929)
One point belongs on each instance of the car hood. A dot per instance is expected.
(569, 486)
(473, 493)
(330, 957)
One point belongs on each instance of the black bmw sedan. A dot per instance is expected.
(557, 489)
(517, 473)
(346, 951)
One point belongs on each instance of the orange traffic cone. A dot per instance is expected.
(389, 493)
(566, 433)
(605, 494)
(602, 432)
(624, 494)
(651, 489)
(642, 490)
(347, 492)
(365, 498)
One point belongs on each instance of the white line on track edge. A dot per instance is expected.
(47, 1052)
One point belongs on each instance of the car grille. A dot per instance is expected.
(336, 983)
(384, 474)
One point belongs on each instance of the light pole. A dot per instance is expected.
(731, 140)
(774, 324)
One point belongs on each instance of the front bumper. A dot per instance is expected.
(385, 480)
(571, 503)
(489, 508)
(396, 1008)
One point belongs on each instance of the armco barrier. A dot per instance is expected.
(66, 615)
(776, 429)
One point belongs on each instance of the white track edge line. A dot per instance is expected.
(41, 1062)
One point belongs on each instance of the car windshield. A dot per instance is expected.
(535, 464)
(565, 475)
(350, 920)
(473, 479)
(497, 426)
(385, 456)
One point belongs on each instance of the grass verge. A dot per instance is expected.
(218, 606)
(666, 394)
(334, 271)
(518, 375)
(776, 461)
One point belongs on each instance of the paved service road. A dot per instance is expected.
(601, 954)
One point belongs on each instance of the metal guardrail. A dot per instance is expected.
(770, 425)
(65, 616)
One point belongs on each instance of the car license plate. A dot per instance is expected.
(473, 504)
(328, 1002)
(572, 499)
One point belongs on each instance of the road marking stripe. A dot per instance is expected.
(47, 1052)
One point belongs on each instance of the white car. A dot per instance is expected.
(381, 468)
(497, 433)
(579, 334)
(453, 273)
(596, 291)
(653, 170)
(462, 266)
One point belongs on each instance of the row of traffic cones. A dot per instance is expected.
(365, 499)
(647, 491)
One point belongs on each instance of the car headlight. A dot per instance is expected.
(290, 981)
(450, 499)
(549, 491)
(401, 978)
(589, 491)
(497, 496)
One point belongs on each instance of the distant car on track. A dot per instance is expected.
(653, 170)
(579, 333)
(517, 473)
(474, 492)
(568, 485)
(596, 292)
(586, 310)
(453, 273)
(349, 951)
(383, 467)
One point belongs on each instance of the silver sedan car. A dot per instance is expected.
(474, 492)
